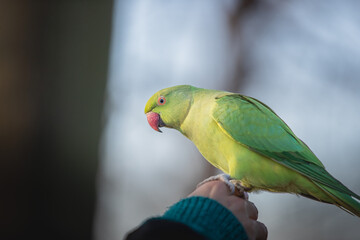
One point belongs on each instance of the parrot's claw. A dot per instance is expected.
(240, 190)
(222, 177)
(235, 186)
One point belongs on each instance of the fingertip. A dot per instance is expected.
(262, 231)
(252, 210)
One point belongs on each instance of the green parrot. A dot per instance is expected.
(247, 140)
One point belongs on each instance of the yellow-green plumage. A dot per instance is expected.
(246, 139)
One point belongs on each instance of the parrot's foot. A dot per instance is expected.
(240, 190)
(235, 186)
(222, 177)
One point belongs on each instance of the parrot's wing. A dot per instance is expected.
(255, 125)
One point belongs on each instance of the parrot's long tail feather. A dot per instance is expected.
(349, 203)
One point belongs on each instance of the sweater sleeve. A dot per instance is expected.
(163, 229)
(207, 218)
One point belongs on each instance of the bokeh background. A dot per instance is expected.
(78, 159)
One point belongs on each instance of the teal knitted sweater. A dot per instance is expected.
(207, 217)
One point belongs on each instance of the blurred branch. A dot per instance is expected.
(241, 7)
(235, 17)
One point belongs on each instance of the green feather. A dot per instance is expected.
(255, 125)
(258, 127)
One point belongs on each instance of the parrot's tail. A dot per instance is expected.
(349, 203)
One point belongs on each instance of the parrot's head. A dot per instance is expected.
(169, 107)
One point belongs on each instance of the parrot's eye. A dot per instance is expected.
(161, 100)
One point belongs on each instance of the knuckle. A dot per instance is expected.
(255, 208)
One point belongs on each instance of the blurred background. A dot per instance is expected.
(78, 159)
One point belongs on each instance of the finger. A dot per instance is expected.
(251, 210)
(261, 231)
(217, 186)
(218, 189)
(222, 188)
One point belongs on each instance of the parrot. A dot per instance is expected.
(247, 140)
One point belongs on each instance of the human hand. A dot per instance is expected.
(244, 210)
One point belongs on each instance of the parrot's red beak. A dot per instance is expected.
(154, 121)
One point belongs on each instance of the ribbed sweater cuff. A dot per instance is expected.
(207, 217)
